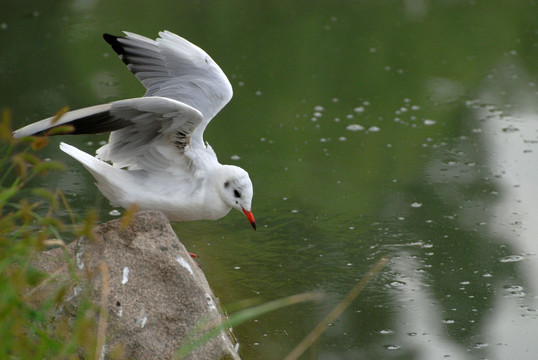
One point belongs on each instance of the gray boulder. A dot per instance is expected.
(154, 293)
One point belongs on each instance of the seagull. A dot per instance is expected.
(156, 157)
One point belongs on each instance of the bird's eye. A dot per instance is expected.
(237, 194)
(226, 184)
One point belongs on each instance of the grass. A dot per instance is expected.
(29, 328)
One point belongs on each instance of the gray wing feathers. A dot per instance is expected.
(160, 130)
(173, 67)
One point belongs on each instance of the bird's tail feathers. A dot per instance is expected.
(89, 162)
(108, 178)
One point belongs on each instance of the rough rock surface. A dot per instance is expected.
(155, 293)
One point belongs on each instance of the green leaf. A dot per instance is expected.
(8, 193)
(60, 130)
(59, 114)
(46, 166)
(45, 194)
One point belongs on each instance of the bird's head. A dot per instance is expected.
(236, 190)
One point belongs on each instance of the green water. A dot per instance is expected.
(406, 129)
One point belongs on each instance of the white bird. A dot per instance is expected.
(156, 156)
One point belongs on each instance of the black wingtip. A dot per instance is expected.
(114, 42)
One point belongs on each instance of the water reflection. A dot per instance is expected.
(510, 134)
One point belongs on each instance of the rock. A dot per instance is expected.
(153, 291)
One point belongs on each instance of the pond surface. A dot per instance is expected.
(406, 129)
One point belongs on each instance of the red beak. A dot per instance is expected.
(250, 218)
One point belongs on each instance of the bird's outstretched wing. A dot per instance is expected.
(174, 68)
(148, 133)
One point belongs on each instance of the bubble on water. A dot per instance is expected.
(235, 157)
(513, 288)
(480, 345)
(359, 109)
(397, 284)
(374, 129)
(429, 122)
(448, 321)
(510, 129)
(258, 93)
(318, 108)
(516, 294)
(391, 347)
(385, 331)
(355, 127)
(416, 204)
(114, 213)
(3, 26)
(511, 258)
(342, 138)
